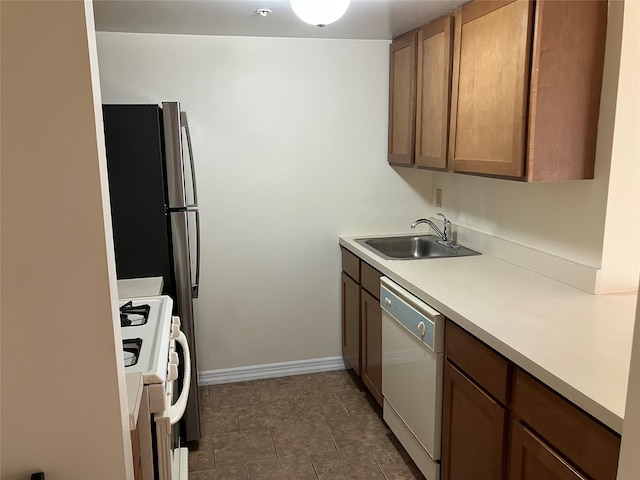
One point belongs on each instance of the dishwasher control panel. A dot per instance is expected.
(420, 323)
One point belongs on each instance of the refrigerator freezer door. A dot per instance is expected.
(190, 168)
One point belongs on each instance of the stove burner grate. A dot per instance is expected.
(134, 315)
(131, 351)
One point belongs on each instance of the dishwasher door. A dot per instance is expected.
(412, 374)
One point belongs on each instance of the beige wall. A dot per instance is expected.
(62, 409)
(621, 249)
(629, 466)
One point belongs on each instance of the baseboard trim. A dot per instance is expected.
(270, 370)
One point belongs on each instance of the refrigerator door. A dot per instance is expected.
(184, 302)
(181, 180)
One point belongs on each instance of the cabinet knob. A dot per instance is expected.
(387, 301)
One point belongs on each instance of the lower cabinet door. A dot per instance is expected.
(474, 430)
(351, 322)
(371, 317)
(532, 459)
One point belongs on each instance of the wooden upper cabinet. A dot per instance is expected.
(402, 99)
(490, 87)
(526, 95)
(503, 88)
(566, 80)
(433, 93)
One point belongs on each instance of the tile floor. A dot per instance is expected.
(321, 426)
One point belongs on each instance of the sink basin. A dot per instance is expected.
(413, 247)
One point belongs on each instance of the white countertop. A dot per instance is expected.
(577, 343)
(140, 287)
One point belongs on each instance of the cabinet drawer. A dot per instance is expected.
(486, 367)
(370, 279)
(350, 264)
(586, 443)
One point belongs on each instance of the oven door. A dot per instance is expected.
(172, 460)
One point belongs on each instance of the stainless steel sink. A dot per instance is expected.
(413, 247)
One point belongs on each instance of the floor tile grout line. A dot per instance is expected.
(315, 471)
(331, 434)
(376, 461)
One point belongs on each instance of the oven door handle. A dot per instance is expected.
(176, 411)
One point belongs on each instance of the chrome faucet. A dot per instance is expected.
(445, 237)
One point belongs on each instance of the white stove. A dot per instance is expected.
(146, 327)
(149, 337)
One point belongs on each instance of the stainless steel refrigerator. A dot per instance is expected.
(154, 210)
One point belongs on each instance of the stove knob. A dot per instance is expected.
(175, 332)
(174, 359)
(172, 372)
(175, 321)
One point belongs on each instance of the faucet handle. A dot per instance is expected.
(447, 227)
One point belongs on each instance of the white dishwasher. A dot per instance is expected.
(412, 366)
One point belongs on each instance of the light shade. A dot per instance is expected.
(319, 12)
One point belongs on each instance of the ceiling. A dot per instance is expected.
(365, 19)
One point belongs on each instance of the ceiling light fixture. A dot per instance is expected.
(319, 12)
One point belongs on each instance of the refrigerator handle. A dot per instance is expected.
(196, 286)
(185, 124)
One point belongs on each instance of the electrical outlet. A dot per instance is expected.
(438, 197)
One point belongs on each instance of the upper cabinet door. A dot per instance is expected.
(402, 99)
(566, 80)
(490, 87)
(433, 93)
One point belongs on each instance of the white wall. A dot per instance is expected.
(290, 142)
(62, 409)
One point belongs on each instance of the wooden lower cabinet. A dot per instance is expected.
(351, 322)
(362, 321)
(474, 430)
(548, 437)
(532, 459)
(371, 318)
